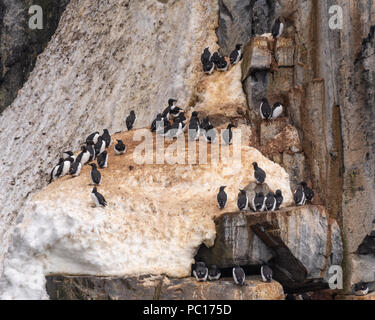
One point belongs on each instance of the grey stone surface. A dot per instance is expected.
(297, 242)
(19, 45)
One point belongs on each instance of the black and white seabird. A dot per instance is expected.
(277, 110)
(120, 147)
(53, 174)
(98, 198)
(259, 174)
(93, 137)
(99, 146)
(214, 273)
(215, 58)
(266, 273)
(68, 154)
(64, 167)
(228, 134)
(238, 275)
(270, 201)
(209, 131)
(153, 124)
(106, 137)
(222, 198)
(194, 127)
(236, 54)
(130, 120)
(75, 168)
(95, 175)
(277, 28)
(91, 149)
(103, 159)
(206, 55)
(259, 202)
(299, 196)
(242, 200)
(200, 271)
(84, 155)
(208, 67)
(360, 289)
(309, 194)
(265, 109)
(181, 118)
(166, 113)
(222, 64)
(279, 199)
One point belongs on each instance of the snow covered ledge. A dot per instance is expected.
(156, 219)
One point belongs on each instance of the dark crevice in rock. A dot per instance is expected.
(19, 45)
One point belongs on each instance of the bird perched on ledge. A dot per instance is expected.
(238, 275)
(259, 174)
(200, 271)
(236, 54)
(277, 29)
(98, 198)
(222, 198)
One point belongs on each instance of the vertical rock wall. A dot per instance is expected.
(19, 45)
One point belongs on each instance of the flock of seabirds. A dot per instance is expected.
(171, 123)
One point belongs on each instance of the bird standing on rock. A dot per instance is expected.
(64, 167)
(242, 200)
(259, 174)
(270, 201)
(171, 105)
(99, 146)
(299, 196)
(215, 58)
(209, 67)
(238, 275)
(279, 199)
(200, 271)
(120, 147)
(236, 55)
(222, 64)
(91, 149)
(266, 273)
(106, 137)
(222, 198)
(265, 109)
(53, 174)
(194, 127)
(84, 155)
(309, 194)
(278, 28)
(258, 203)
(206, 56)
(157, 119)
(95, 175)
(209, 131)
(130, 120)
(360, 289)
(214, 273)
(75, 168)
(98, 198)
(277, 110)
(227, 134)
(103, 159)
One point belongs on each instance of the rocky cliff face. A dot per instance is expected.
(111, 57)
(20, 45)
